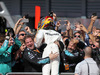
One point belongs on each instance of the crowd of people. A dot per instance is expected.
(49, 49)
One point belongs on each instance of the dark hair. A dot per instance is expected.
(77, 32)
(21, 31)
(28, 36)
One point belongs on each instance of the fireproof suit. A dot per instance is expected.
(49, 37)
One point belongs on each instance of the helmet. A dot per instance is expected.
(46, 23)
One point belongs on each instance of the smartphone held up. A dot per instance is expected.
(25, 20)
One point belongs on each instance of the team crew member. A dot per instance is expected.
(5, 52)
(32, 56)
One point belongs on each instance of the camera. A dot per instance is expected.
(9, 32)
(51, 14)
(94, 14)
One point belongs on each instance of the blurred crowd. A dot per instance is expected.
(16, 54)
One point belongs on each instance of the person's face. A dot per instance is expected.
(23, 47)
(11, 41)
(98, 31)
(77, 36)
(29, 43)
(21, 35)
(70, 46)
(90, 41)
(95, 33)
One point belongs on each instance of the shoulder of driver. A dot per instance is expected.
(49, 30)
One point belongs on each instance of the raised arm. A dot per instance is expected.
(17, 24)
(57, 25)
(4, 47)
(28, 30)
(39, 38)
(10, 33)
(29, 56)
(93, 18)
(68, 29)
(19, 28)
(85, 30)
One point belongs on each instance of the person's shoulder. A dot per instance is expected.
(82, 62)
(90, 60)
(55, 32)
(42, 31)
(80, 65)
(52, 31)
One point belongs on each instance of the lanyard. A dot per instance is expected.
(88, 67)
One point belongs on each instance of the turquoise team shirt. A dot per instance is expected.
(5, 56)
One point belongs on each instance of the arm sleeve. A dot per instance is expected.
(4, 47)
(17, 42)
(39, 38)
(71, 56)
(63, 56)
(33, 58)
(8, 52)
(44, 60)
(68, 53)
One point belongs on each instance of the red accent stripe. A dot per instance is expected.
(37, 15)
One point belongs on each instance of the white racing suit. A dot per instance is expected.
(49, 37)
